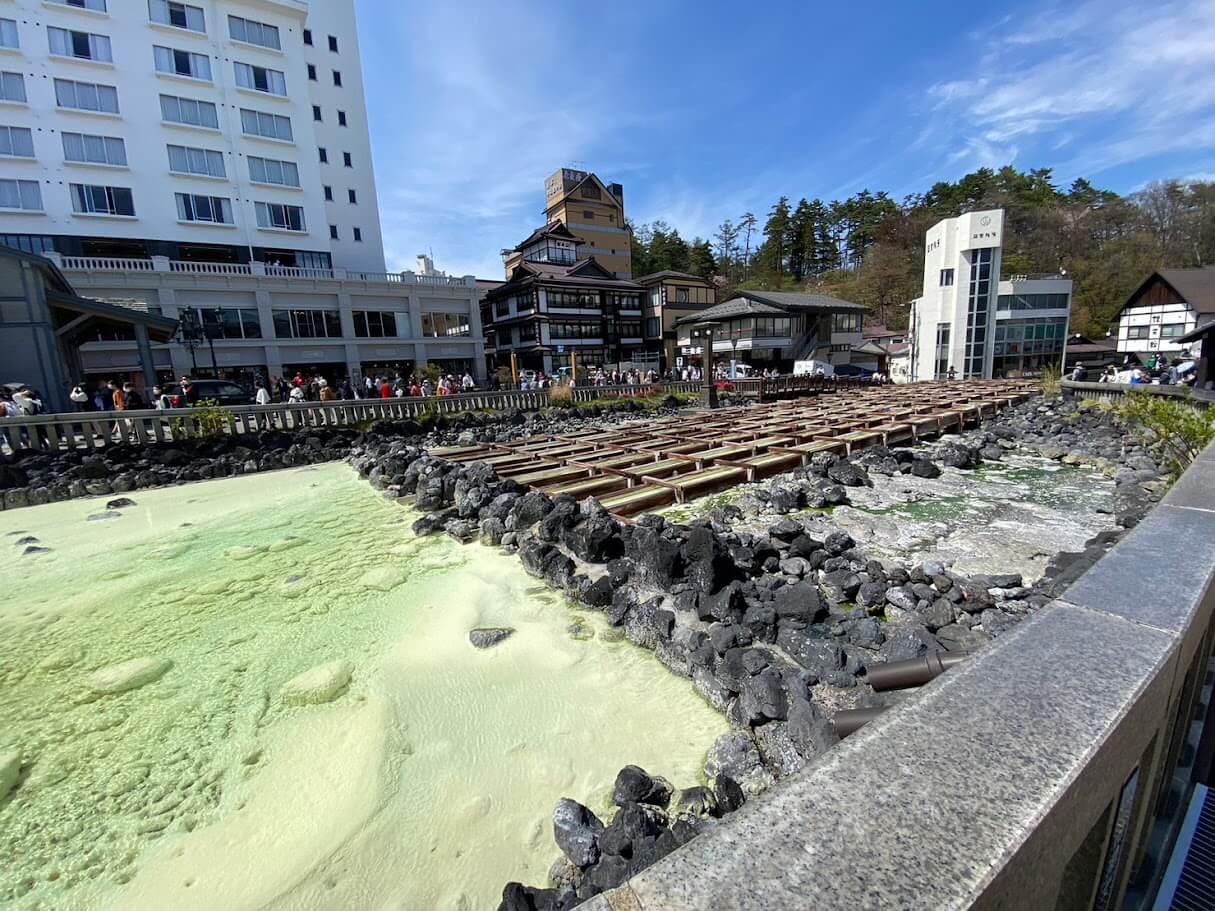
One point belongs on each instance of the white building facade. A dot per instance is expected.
(214, 130)
(210, 161)
(1168, 305)
(969, 321)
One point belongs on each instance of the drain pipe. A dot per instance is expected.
(897, 675)
(850, 721)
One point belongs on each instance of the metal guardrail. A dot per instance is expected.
(98, 429)
(1199, 398)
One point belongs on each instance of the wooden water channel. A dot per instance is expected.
(650, 464)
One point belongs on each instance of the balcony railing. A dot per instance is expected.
(92, 264)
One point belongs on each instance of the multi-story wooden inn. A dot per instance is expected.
(1167, 306)
(554, 303)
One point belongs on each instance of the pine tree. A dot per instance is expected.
(700, 259)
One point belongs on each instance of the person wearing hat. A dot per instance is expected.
(325, 394)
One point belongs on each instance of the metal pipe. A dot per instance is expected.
(850, 721)
(897, 675)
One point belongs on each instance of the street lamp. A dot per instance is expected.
(188, 333)
(703, 332)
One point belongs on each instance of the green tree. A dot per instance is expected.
(700, 259)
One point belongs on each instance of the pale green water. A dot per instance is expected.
(428, 783)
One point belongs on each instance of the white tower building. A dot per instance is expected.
(969, 321)
(213, 130)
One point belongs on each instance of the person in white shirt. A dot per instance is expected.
(262, 396)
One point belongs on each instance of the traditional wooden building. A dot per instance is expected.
(1163, 310)
(669, 297)
(553, 304)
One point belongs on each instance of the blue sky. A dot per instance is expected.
(705, 110)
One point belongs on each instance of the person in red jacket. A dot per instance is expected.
(385, 389)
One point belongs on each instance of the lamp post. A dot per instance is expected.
(703, 332)
(187, 331)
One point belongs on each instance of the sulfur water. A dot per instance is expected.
(150, 663)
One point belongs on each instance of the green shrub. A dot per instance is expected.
(1051, 380)
(207, 419)
(1177, 429)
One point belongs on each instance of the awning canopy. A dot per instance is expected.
(1196, 334)
(75, 315)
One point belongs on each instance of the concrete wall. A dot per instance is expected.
(1029, 777)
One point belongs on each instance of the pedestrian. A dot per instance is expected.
(189, 393)
(952, 375)
(296, 396)
(161, 399)
(132, 396)
(325, 394)
(117, 399)
(346, 390)
(80, 398)
(262, 395)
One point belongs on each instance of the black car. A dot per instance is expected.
(225, 392)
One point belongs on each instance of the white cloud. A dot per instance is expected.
(1078, 73)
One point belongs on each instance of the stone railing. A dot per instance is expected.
(1108, 392)
(96, 429)
(164, 264)
(1051, 770)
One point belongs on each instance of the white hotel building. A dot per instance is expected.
(969, 320)
(215, 156)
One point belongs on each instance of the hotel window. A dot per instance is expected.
(269, 126)
(681, 295)
(328, 194)
(347, 160)
(312, 72)
(333, 46)
(527, 332)
(17, 142)
(341, 118)
(588, 215)
(8, 33)
(86, 96)
(187, 160)
(188, 111)
(358, 235)
(333, 232)
(353, 197)
(260, 78)
(525, 301)
(308, 37)
(1172, 330)
(252, 32)
(442, 325)
(941, 363)
(573, 299)
(307, 324)
(845, 322)
(323, 154)
(213, 209)
(375, 324)
(88, 199)
(562, 329)
(25, 195)
(316, 113)
(95, 5)
(12, 87)
(946, 278)
(228, 322)
(273, 171)
(630, 328)
(280, 217)
(1138, 331)
(181, 15)
(653, 327)
(337, 78)
(590, 191)
(86, 46)
(110, 150)
(182, 63)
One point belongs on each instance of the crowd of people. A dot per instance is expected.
(1159, 370)
(300, 388)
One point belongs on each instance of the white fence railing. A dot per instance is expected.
(98, 429)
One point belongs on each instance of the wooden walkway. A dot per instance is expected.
(650, 464)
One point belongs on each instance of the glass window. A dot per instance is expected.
(312, 72)
(347, 160)
(846, 322)
(308, 37)
(1137, 331)
(181, 15)
(12, 87)
(8, 33)
(97, 5)
(942, 352)
(85, 147)
(337, 78)
(269, 126)
(86, 96)
(182, 63)
(98, 200)
(188, 160)
(946, 278)
(260, 78)
(352, 197)
(358, 235)
(444, 325)
(374, 324)
(86, 46)
(21, 194)
(188, 111)
(214, 209)
(333, 232)
(341, 118)
(1172, 330)
(274, 215)
(17, 142)
(253, 32)
(307, 324)
(273, 171)
(333, 45)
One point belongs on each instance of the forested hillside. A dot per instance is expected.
(869, 248)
